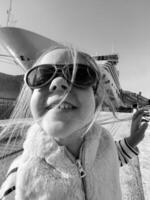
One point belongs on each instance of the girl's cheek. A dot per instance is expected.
(37, 105)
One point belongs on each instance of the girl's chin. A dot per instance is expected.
(55, 129)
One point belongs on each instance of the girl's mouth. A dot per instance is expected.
(62, 106)
(66, 106)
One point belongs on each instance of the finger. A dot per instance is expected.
(147, 112)
(146, 115)
(138, 119)
(143, 128)
(137, 113)
(144, 120)
(141, 113)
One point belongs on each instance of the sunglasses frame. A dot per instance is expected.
(61, 68)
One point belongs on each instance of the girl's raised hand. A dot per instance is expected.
(139, 125)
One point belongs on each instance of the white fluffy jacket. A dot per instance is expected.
(49, 172)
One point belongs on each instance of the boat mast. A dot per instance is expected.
(9, 14)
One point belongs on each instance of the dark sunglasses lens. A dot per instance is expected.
(40, 75)
(84, 77)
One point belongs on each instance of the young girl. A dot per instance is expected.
(66, 154)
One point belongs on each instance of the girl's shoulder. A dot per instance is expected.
(100, 137)
(100, 147)
(103, 137)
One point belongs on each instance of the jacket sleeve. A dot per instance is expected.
(125, 151)
(7, 190)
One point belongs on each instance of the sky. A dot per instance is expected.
(95, 26)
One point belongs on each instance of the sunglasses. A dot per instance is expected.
(85, 76)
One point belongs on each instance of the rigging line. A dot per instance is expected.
(4, 55)
(14, 62)
(7, 62)
(6, 59)
(9, 57)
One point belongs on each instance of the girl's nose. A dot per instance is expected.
(58, 84)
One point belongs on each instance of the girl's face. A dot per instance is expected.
(62, 116)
